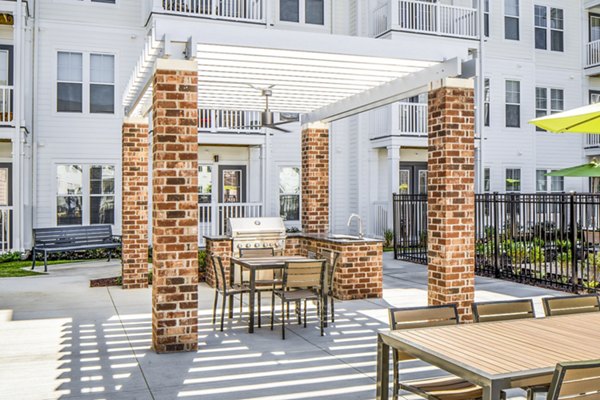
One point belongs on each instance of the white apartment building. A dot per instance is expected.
(65, 66)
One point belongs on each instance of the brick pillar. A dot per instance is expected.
(315, 178)
(134, 259)
(451, 195)
(175, 206)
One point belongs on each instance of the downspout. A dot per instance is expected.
(18, 118)
(481, 94)
(34, 144)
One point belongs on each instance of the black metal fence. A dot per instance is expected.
(550, 240)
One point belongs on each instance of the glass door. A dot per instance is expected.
(232, 184)
(413, 178)
(594, 27)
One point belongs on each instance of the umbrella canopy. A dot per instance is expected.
(589, 170)
(578, 120)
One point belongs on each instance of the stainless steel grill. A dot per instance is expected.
(256, 232)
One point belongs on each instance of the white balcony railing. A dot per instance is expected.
(379, 218)
(213, 218)
(5, 229)
(592, 140)
(592, 54)
(413, 118)
(236, 10)
(425, 17)
(229, 120)
(6, 104)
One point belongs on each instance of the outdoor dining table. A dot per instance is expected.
(253, 264)
(496, 355)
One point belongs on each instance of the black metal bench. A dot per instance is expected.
(73, 238)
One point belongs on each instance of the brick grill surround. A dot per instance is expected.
(134, 260)
(175, 208)
(451, 199)
(315, 179)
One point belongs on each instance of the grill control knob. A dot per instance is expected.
(256, 245)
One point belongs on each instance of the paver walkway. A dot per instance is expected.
(60, 339)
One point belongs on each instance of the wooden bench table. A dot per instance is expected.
(496, 355)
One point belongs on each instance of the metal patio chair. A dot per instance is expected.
(574, 381)
(264, 279)
(302, 280)
(223, 288)
(438, 388)
(571, 305)
(503, 310)
(331, 261)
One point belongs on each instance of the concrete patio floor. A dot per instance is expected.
(60, 339)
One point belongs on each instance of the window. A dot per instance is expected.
(545, 107)
(69, 184)
(511, 19)
(594, 27)
(205, 184)
(302, 11)
(78, 204)
(513, 104)
(486, 180)
(557, 183)
(486, 18)
(423, 181)
(486, 102)
(79, 70)
(102, 83)
(70, 82)
(553, 32)
(513, 180)
(541, 181)
(289, 193)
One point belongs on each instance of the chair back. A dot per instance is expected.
(257, 252)
(421, 317)
(571, 305)
(503, 310)
(331, 260)
(219, 273)
(304, 274)
(576, 380)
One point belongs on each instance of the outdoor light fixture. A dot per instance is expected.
(216, 158)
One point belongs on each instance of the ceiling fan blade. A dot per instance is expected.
(282, 123)
(276, 128)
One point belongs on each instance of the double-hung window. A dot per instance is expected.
(486, 18)
(549, 26)
(513, 179)
(486, 102)
(548, 101)
(85, 194)
(289, 193)
(513, 104)
(302, 11)
(511, 19)
(85, 83)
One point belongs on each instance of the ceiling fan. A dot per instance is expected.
(267, 119)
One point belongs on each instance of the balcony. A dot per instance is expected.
(424, 17)
(6, 105)
(400, 119)
(229, 121)
(592, 54)
(592, 141)
(232, 10)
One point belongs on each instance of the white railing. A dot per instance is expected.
(380, 21)
(592, 54)
(6, 104)
(213, 218)
(379, 218)
(435, 18)
(237, 10)
(413, 118)
(229, 120)
(592, 140)
(5, 229)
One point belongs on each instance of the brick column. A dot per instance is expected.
(134, 258)
(451, 195)
(315, 178)
(175, 206)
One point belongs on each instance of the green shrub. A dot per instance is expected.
(536, 255)
(563, 245)
(11, 257)
(564, 258)
(388, 236)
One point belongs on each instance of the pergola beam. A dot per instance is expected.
(387, 93)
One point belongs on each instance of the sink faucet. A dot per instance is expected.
(360, 225)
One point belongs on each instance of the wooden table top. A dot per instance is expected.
(509, 348)
(257, 262)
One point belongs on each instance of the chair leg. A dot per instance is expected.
(259, 301)
(272, 309)
(299, 311)
(305, 312)
(332, 309)
(396, 378)
(45, 261)
(215, 307)
(109, 255)
(223, 311)
(241, 304)
(33, 258)
(283, 318)
(320, 305)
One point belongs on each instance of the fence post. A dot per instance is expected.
(573, 237)
(394, 224)
(496, 235)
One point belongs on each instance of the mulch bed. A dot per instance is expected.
(104, 282)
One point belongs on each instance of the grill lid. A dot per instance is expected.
(255, 226)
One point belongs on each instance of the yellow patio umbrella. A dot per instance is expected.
(584, 119)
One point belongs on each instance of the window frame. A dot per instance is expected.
(548, 109)
(486, 18)
(517, 17)
(92, 83)
(299, 194)
(507, 104)
(59, 81)
(549, 181)
(86, 77)
(512, 184)
(302, 24)
(548, 29)
(86, 189)
(487, 92)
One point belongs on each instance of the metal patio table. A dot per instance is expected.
(496, 355)
(255, 264)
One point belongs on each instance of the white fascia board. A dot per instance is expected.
(387, 93)
(224, 139)
(180, 29)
